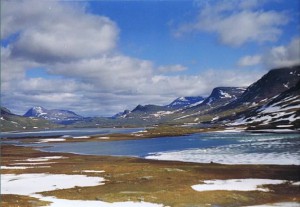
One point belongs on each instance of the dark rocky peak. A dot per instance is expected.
(273, 83)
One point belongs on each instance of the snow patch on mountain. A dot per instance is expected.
(162, 113)
(224, 94)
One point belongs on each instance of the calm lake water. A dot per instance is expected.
(69, 132)
(226, 148)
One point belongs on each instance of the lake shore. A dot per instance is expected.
(139, 180)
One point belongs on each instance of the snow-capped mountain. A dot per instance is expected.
(182, 102)
(55, 115)
(222, 95)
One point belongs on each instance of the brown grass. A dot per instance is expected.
(164, 182)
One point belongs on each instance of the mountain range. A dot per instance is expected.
(272, 102)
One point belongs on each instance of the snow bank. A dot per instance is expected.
(82, 137)
(43, 159)
(33, 163)
(80, 203)
(14, 167)
(51, 140)
(19, 184)
(236, 185)
(93, 171)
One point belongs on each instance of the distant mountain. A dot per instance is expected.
(149, 114)
(55, 115)
(13, 122)
(5, 111)
(121, 114)
(182, 102)
(219, 97)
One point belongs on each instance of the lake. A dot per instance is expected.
(225, 148)
(69, 132)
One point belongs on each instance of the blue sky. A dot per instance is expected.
(101, 57)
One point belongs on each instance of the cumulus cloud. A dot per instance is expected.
(285, 55)
(237, 22)
(52, 31)
(278, 56)
(85, 71)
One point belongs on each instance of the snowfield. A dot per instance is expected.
(18, 184)
(237, 185)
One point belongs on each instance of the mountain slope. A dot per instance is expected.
(282, 112)
(204, 111)
(273, 83)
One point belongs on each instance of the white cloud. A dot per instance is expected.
(86, 73)
(249, 60)
(53, 31)
(278, 56)
(285, 55)
(236, 23)
(108, 73)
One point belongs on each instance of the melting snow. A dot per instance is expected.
(82, 137)
(237, 185)
(51, 140)
(215, 118)
(18, 184)
(43, 159)
(93, 171)
(162, 113)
